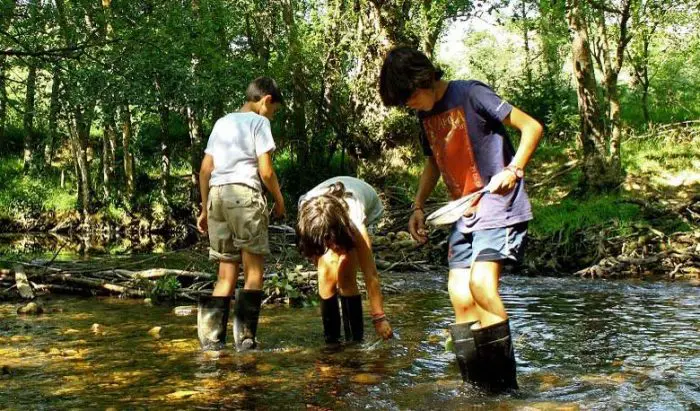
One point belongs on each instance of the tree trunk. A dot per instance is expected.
(615, 124)
(295, 59)
(526, 43)
(592, 133)
(79, 133)
(28, 119)
(3, 97)
(645, 104)
(53, 116)
(109, 150)
(126, 127)
(194, 125)
(5, 19)
(164, 115)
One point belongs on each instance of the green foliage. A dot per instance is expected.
(291, 286)
(164, 288)
(199, 57)
(22, 195)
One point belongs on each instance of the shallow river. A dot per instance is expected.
(579, 344)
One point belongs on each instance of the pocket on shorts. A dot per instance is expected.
(238, 202)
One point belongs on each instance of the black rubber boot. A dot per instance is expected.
(245, 321)
(330, 313)
(495, 350)
(352, 317)
(212, 319)
(465, 349)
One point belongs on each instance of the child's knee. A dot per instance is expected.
(460, 294)
(348, 288)
(481, 291)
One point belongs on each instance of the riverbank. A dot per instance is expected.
(648, 229)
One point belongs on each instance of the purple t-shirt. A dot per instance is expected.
(465, 134)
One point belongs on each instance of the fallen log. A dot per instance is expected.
(100, 284)
(157, 273)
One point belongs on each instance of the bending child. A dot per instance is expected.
(234, 213)
(465, 140)
(332, 232)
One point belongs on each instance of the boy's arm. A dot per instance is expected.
(204, 176)
(363, 246)
(428, 180)
(269, 178)
(531, 132)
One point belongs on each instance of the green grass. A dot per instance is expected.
(655, 155)
(21, 194)
(571, 215)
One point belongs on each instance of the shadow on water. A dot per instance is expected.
(579, 344)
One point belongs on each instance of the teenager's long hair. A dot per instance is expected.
(324, 222)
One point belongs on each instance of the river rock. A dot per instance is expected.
(403, 236)
(31, 309)
(366, 378)
(185, 310)
(155, 332)
(97, 329)
(402, 244)
(178, 395)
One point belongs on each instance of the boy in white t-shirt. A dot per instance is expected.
(237, 163)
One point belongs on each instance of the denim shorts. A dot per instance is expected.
(494, 244)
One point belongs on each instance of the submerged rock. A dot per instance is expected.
(154, 332)
(366, 378)
(182, 394)
(31, 309)
(185, 310)
(97, 329)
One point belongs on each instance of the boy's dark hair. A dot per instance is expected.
(261, 87)
(324, 221)
(405, 70)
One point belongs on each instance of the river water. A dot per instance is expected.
(580, 344)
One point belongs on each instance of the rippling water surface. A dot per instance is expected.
(579, 344)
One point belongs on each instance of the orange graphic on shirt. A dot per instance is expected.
(449, 140)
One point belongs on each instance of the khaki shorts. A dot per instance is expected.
(238, 220)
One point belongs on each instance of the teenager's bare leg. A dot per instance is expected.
(460, 294)
(484, 288)
(327, 275)
(253, 269)
(228, 276)
(347, 274)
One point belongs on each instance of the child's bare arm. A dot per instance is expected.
(204, 176)
(428, 180)
(365, 258)
(530, 131)
(269, 178)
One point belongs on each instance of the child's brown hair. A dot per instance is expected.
(324, 221)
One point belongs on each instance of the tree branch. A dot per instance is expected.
(603, 7)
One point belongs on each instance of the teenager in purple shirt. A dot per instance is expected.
(464, 140)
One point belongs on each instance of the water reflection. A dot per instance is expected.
(578, 343)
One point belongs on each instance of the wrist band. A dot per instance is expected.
(378, 319)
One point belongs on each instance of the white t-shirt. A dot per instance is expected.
(364, 206)
(235, 144)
